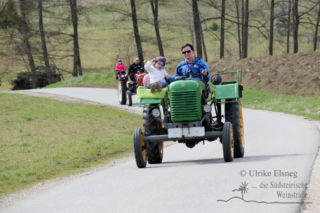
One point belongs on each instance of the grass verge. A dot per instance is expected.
(41, 138)
(308, 107)
(99, 81)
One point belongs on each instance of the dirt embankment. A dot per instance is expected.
(293, 74)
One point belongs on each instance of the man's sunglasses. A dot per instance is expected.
(188, 51)
(160, 64)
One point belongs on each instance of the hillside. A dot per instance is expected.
(293, 74)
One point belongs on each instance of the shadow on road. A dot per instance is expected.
(221, 161)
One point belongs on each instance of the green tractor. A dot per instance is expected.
(188, 111)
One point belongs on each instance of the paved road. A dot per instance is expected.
(280, 151)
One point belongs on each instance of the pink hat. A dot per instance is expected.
(119, 60)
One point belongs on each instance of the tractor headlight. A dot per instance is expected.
(156, 113)
(207, 108)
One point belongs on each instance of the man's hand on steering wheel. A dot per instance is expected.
(204, 73)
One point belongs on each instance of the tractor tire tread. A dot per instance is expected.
(154, 153)
(232, 115)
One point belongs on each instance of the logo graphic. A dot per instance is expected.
(244, 189)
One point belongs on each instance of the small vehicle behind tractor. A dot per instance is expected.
(189, 111)
(126, 89)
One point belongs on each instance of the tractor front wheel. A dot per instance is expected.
(227, 142)
(139, 147)
(129, 98)
(150, 126)
(122, 88)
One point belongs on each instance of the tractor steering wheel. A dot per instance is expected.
(190, 71)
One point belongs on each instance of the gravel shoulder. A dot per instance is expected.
(313, 197)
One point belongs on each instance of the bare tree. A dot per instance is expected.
(76, 50)
(316, 40)
(295, 15)
(24, 29)
(204, 46)
(288, 28)
(271, 28)
(245, 30)
(136, 30)
(197, 27)
(154, 6)
(223, 8)
(242, 28)
(238, 28)
(43, 40)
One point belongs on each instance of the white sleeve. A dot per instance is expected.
(147, 66)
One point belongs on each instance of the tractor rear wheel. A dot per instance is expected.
(227, 142)
(233, 114)
(150, 126)
(139, 147)
(122, 88)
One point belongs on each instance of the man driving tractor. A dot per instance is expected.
(188, 52)
(134, 68)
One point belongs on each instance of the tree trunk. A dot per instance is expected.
(243, 28)
(192, 37)
(246, 29)
(136, 30)
(288, 32)
(238, 26)
(223, 7)
(79, 60)
(24, 30)
(154, 6)
(316, 32)
(197, 27)
(43, 40)
(204, 46)
(271, 28)
(43, 43)
(76, 49)
(295, 14)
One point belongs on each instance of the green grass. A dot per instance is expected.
(308, 107)
(103, 81)
(42, 139)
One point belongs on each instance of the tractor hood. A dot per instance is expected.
(189, 84)
(185, 100)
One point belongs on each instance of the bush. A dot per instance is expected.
(214, 27)
(42, 78)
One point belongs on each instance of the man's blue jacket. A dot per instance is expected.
(196, 69)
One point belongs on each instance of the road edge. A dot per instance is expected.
(312, 201)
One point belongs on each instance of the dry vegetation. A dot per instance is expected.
(104, 36)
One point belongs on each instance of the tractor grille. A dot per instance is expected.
(184, 106)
